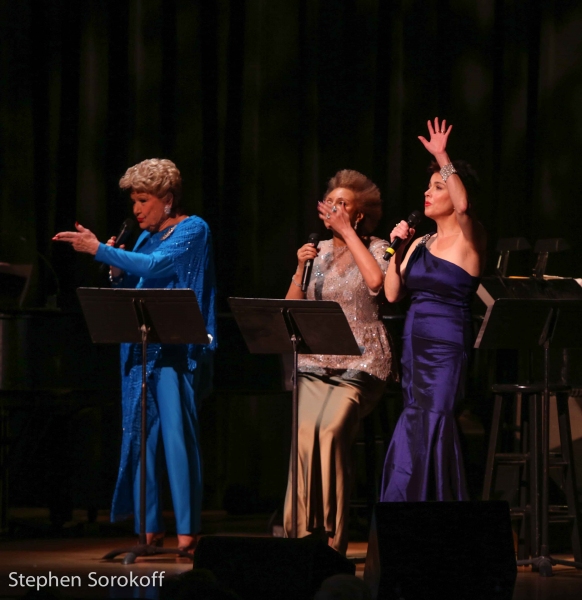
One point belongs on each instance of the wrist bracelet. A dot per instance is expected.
(446, 171)
(294, 282)
(113, 279)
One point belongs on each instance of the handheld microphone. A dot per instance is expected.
(313, 239)
(125, 231)
(414, 218)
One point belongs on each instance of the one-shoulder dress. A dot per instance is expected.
(424, 460)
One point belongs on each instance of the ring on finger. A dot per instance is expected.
(327, 216)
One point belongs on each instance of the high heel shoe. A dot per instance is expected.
(187, 543)
(155, 539)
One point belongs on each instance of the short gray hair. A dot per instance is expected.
(157, 176)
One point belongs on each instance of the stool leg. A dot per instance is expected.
(4, 453)
(490, 464)
(570, 475)
(535, 474)
(370, 459)
(524, 541)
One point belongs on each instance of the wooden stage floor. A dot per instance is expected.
(79, 553)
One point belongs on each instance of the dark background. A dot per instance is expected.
(259, 102)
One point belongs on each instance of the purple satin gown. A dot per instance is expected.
(424, 460)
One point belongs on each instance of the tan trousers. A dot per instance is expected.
(330, 411)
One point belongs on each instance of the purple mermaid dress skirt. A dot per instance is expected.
(424, 460)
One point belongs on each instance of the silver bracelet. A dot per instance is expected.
(447, 171)
(294, 282)
(113, 279)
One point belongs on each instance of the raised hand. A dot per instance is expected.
(439, 135)
(334, 217)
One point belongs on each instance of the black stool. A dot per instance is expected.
(526, 456)
(376, 429)
(373, 438)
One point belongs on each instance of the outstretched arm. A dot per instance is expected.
(82, 240)
(437, 146)
(156, 264)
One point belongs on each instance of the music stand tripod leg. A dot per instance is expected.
(295, 340)
(143, 443)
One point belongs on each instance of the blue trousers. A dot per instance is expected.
(175, 434)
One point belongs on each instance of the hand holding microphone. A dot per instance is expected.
(308, 266)
(413, 220)
(124, 233)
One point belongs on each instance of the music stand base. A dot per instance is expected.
(544, 564)
(145, 550)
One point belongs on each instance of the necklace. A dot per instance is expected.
(168, 233)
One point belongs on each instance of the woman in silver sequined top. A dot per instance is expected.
(336, 392)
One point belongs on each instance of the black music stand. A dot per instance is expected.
(527, 323)
(143, 316)
(14, 282)
(297, 327)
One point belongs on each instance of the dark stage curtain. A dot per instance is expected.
(259, 102)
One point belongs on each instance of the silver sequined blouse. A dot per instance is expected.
(336, 277)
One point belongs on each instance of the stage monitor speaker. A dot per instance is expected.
(460, 550)
(257, 568)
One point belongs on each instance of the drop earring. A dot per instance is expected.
(167, 209)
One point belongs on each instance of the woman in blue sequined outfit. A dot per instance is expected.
(173, 251)
(337, 392)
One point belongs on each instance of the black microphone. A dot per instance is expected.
(313, 239)
(414, 218)
(125, 231)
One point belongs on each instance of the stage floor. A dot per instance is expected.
(78, 557)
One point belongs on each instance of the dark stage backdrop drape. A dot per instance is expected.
(259, 102)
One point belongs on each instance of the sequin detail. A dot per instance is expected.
(168, 233)
(336, 277)
(425, 239)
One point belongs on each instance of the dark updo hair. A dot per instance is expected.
(467, 174)
(366, 195)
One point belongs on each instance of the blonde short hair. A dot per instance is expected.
(157, 176)
(367, 196)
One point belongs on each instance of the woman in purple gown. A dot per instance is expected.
(441, 272)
